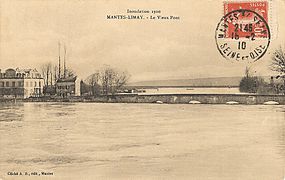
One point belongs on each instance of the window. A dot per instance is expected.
(27, 84)
(7, 84)
(19, 84)
(1, 84)
(31, 84)
(13, 84)
(35, 83)
(40, 84)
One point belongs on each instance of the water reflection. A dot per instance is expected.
(11, 112)
(144, 141)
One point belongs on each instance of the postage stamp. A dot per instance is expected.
(260, 8)
(243, 33)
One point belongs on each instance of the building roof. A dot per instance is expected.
(20, 73)
(68, 79)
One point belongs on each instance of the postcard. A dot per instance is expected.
(142, 90)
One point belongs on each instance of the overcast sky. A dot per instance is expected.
(148, 50)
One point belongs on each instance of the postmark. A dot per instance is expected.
(243, 33)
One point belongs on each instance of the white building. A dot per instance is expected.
(22, 83)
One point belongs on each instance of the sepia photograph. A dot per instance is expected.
(142, 90)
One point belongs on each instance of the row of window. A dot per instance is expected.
(33, 83)
(65, 87)
(20, 75)
(7, 84)
(62, 87)
(20, 84)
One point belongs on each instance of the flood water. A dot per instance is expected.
(142, 141)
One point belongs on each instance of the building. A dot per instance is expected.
(23, 83)
(67, 84)
(66, 87)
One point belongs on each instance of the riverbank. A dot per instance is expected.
(249, 99)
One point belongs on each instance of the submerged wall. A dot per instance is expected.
(170, 98)
(203, 98)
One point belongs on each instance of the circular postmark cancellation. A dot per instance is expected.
(242, 35)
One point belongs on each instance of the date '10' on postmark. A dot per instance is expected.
(243, 32)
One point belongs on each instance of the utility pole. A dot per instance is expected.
(59, 68)
(64, 67)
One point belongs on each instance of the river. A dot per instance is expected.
(142, 141)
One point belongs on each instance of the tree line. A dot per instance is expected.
(51, 73)
(106, 80)
(255, 84)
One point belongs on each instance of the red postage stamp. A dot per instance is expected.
(243, 27)
(243, 33)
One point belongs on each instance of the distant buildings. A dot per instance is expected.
(66, 87)
(25, 83)
(22, 83)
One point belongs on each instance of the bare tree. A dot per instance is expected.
(69, 73)
(278, 61)
(247, 72)
(46, 70)
(51, 77)
(55, 73)
(120, 79)
(112, 80)
(93, 82)
(105, 78)
(278, 65)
